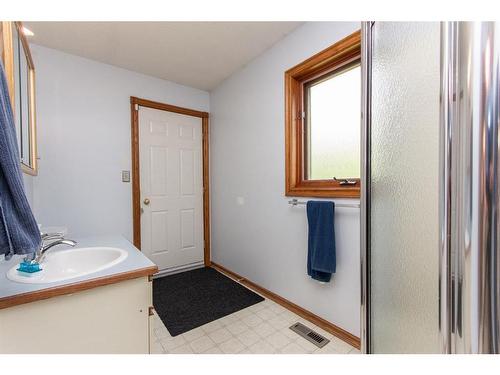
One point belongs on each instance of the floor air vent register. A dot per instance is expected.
(309, 335)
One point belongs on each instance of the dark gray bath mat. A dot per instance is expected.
(190, 299)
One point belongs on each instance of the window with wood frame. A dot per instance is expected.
(322, 122)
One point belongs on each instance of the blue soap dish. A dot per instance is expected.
(29, 267)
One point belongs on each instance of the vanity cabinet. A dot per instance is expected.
(107, 319)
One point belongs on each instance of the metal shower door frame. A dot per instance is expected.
(469, 188)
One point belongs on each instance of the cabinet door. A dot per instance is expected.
(111, 319)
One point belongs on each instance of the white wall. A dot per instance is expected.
(83, 114)
(265, 239)
(28, 187)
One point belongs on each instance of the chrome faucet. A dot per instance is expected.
(40, 254)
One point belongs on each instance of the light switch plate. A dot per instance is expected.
(125, 176)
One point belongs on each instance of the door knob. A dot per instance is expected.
(146, 201)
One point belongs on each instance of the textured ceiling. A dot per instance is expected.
(196, 54)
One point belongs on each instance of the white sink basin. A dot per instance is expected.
(67, 264)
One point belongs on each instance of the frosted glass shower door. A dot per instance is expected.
(405, 187)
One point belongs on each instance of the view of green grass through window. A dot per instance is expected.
(333, 126)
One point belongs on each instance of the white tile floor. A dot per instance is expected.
(259, 329)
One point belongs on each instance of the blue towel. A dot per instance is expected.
(321, 259)
(19, 232)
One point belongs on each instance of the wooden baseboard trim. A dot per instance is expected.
(309, 316)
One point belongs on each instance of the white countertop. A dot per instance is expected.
(135, 260)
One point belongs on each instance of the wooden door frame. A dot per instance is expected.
(136, 183)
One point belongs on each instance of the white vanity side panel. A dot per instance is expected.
(111, 319)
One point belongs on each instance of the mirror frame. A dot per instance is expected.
(7, 37)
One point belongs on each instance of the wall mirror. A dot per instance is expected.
(20, 72)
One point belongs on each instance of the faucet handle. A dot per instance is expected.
(52, 237)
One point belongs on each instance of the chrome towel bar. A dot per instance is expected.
(296, 202)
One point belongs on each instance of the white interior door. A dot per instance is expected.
(170, 153)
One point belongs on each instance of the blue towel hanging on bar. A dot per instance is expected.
(19, 232)
(321, 257)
